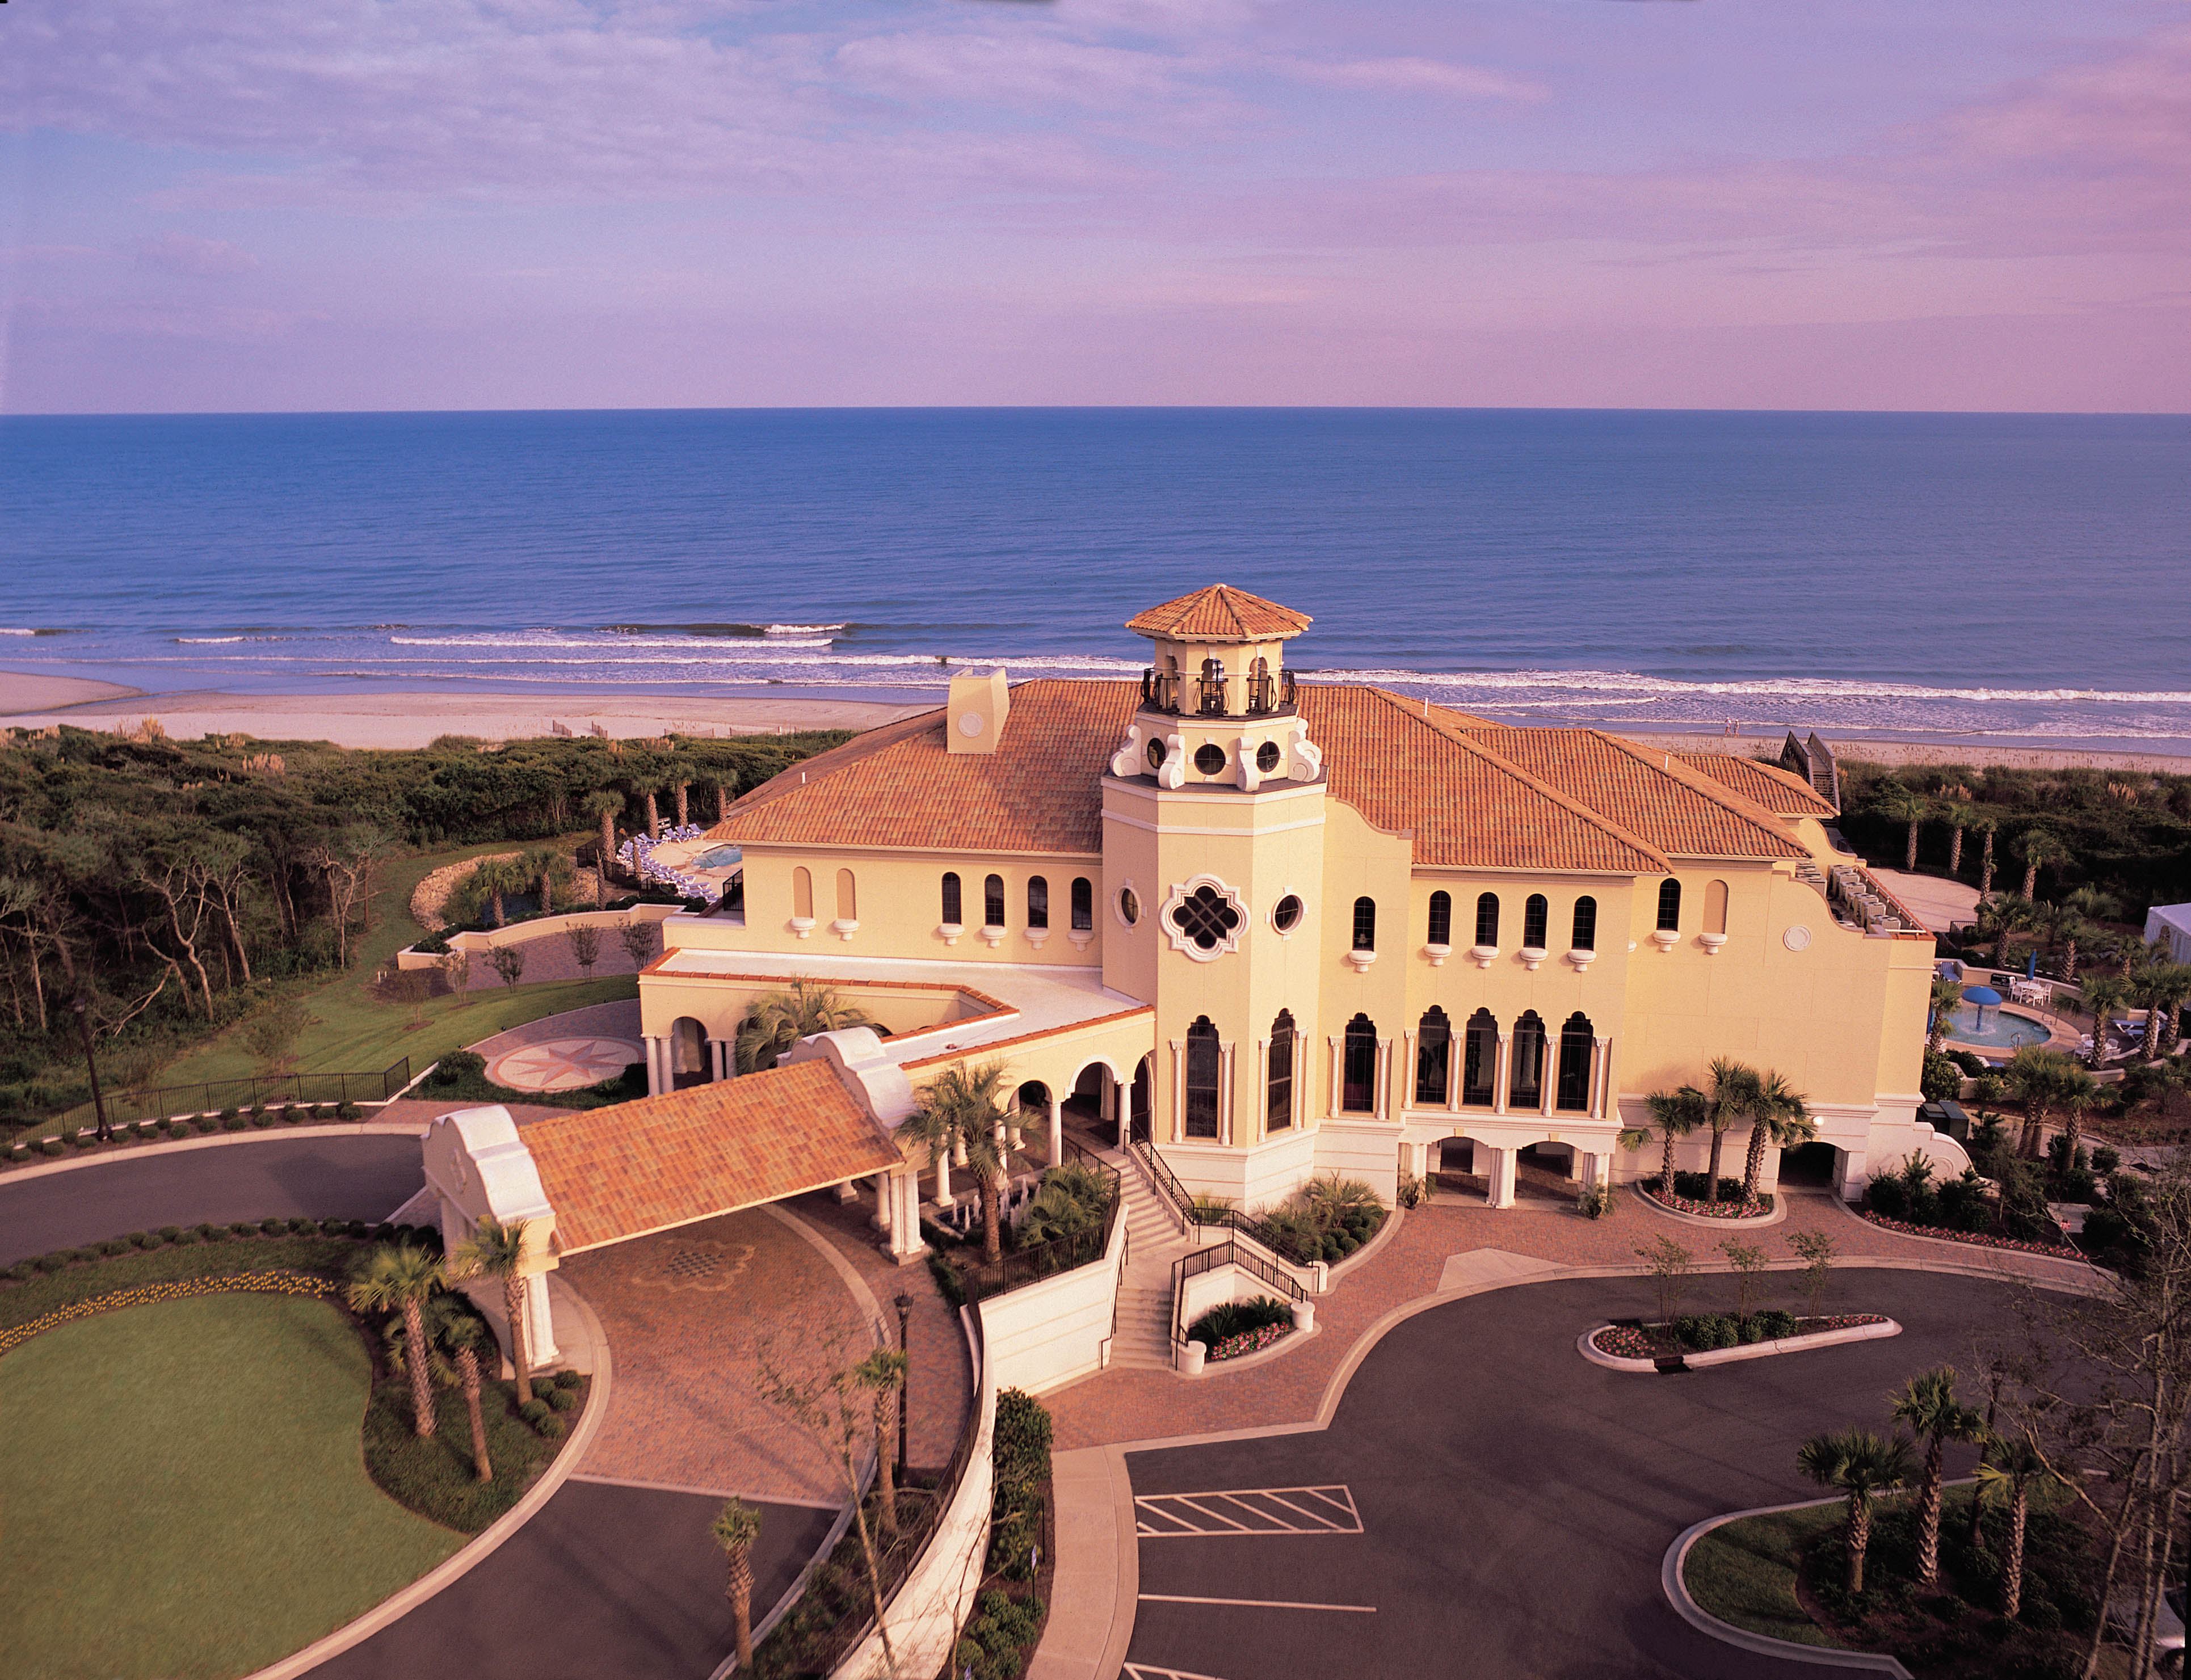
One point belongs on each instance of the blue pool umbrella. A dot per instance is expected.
(2030, 964)
(1981, 996)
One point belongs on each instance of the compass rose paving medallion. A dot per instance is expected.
(564, 1063)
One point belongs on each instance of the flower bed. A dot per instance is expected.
(1250, 1342)
(1976, 1239)
(258, 1283)
(1660, 1341)
(1757, 1208)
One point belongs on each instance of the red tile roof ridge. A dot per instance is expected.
(1219, 612)
(1814, 803)
(847, 753)
(1766, 822)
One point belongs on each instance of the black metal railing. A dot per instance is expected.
(1024, 1266)
(1226, 1253)
(272, 1091)
(1208, 696)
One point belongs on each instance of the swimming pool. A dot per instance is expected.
(717, 857)
(2004, 1029)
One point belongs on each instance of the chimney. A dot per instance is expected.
(976, 713)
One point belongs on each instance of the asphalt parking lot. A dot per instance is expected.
(1488, 1504)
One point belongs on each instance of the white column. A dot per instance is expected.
(1300, 1082)
(1597, 1047)
(1178, 1090)
(885, 1196)
(1334, 1107)
(1122, 1109)
(720, 1049)
(1057, 1131)
(1602, 1105)
(1456, 1053)
(1548, 1075)
(943, 1178)
(1501, 1175)
(1500, 1069)
(1407, 1073)
(905, 1219)
(1260, 1110)
(539, 1324)
(657, 1081)
(1382, 1093)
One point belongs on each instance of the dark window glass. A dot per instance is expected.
(1480, 1060)
(1575, 1048)
(1278, 1100)
(992, 901)
(1358, 1074)
(1202, 1063)
(952, 905)
(1442, 918)
(1268, 756)
(1586, 924)
(1156, 755)
(1535, 914)
(1206, 916)
(1129, 906)
(1433, 1057)
(1669, 906)
(1037, 901)
(1213, 685)
(1487, 919)
(1209, 758)
(1365, 924)
(1526, 1090)
(1288, 915)
(1083, 904)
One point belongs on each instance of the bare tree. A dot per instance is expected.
(638, 937)
(346, 859)
(585, 945)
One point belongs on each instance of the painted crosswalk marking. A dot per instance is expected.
(1149, 1671)
(1247, 1511)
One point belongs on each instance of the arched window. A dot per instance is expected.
(1357, 1072)
(1536, 915)
(1441, 918)
(954, 903)
(802, 894)
(1486, 918)
(847, 897)
(1213, 685)
(1259, 685)
(1279, 1081)
(1202, 1060)
(1037, 901)
(1669, 906)
(1525, 1089)
(1576, 1048)
(1433, 1057)
(1586, 924)
(1715, 907)
(1365, 924)
(1083, 904)
(993, 901)
(1479, 1061)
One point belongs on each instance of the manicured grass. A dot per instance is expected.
(185, 1495)
(1744, 1573)
(434, 1477)
(40, 1294)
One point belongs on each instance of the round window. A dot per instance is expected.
(1156, 755)
(1287, 915)
(1129, 907)
(1268, 756)
(1209, 758)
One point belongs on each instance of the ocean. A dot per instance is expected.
(2001, 579)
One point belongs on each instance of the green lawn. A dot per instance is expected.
(185, 1494)
(1742, 1573)
(353, 1031)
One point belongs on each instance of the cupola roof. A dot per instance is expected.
(1219, 613)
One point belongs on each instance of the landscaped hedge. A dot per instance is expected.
(1001, 1635)
(433, 1475)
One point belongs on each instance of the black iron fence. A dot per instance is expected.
(1189, 1212)
(272, 1091)
(1037, 1261)
(1226, 1253)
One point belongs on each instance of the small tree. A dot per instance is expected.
(456, 972)
(1816, 1250)
(1670, 1265)
(1863, 1467)
(882, 1374)
(463, 1335)
(2004, 1477)
(1928, 1405)
(271, 1035)
(496, 1251)
(412, 986)
(1748, 1259)
(1777, 1115)
(604, 806)
(509, 961)
(961, 1111)
(585, 945)
(401, 1280)
(639, 939)
(1674, 1115)
(737, 1526)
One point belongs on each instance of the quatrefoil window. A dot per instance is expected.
(1203, 918)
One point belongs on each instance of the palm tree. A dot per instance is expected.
(1862, 1466)
(2064, 929)
(1986, 827)
(2014, 1465)
(401, 1280)
(736, 1527)
(1947, 998)
(1957, 814)
(463, 1336)
(959, 1113)
(1904, 806)
(496, 878)
(2039, 850)
(2161, 987)
(1928, 1405)
(882, 1373)
(604, 805)
(2045, 1082)
(1777, 1115)
(2001, 918)
(2103, 994)
(495, 1249)
(1733, 1097)
(780, 1018)
(539, 866)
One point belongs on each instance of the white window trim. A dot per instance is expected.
(1180, 893)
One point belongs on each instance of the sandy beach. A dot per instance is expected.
(413, 719)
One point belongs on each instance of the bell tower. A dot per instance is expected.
(1213, 846)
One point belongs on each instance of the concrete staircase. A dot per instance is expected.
(1153, 1243)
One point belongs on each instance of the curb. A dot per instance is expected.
(1707, 1358)
(1786, 1650)
(353, 1128)
(1385, 1233)
(476, 1550)
(1779, 1213)
(1285, 1344)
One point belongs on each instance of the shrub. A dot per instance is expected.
(1972, 1064)
(207, 1232)
(2041, 1613)
(1939, 1077)
(566, 1379)
(171, 1234)
(262, 1117)
(298, 1227)
(457, 1066)
(50, 1262)
(534, 1412)
(1229, 1319)
(322, 1111)
(1775, 1324)
(52, 1146)
(350, 1111)
(143, 1240)
(2106, 1159)
(20, 1270)
(563, 1399)
(241, 1228)
(114, 1245)
(1693, 1186)
(176, 1128)
(180, 1236)
(236, 1122)
(1020, 1453)
(1889, 1198)
(227, 1115)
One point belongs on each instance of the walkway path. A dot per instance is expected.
(562, 1052)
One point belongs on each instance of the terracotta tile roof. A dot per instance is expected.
(1219, 613)
(897, 786)
(1677, 809)
(1779, 790)
(1463, 804)
(634, 1167)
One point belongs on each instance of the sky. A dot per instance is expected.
(427, 204)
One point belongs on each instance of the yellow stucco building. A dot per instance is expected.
(1277, 928)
